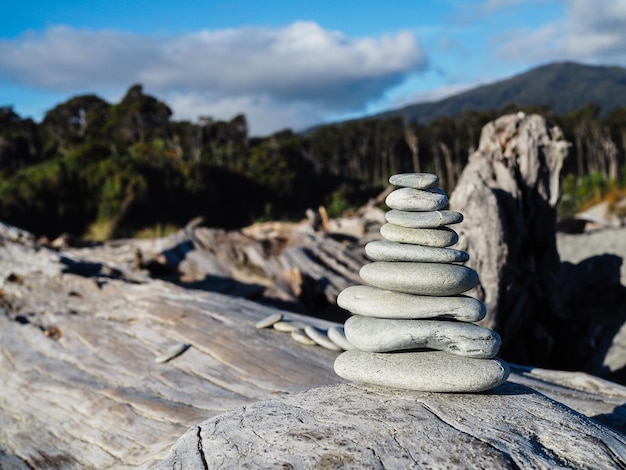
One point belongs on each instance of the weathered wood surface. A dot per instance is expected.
(548, 313)
(359, 426)
(80, 330)
(508, 193)
(89, 394)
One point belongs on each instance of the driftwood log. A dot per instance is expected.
(548, 313)
(80, 329)
(508, 193)
(359, 426)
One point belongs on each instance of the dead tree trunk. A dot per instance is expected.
(508, 193)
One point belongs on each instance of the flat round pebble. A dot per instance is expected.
(409, 199)
(384, 250)
(287, 326)
(299, 336)
(269, 321)
(436, 237)
(414, 180)
(458, 338)
(420, 278)
(427, 371)
(431, 219)
(172, 352)
(321, 338)
(338, 336)
(380, 303)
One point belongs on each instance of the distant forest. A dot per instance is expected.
(102, 170)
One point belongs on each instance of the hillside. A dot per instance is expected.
(564, 86)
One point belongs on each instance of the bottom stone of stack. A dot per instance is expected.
(426, 371)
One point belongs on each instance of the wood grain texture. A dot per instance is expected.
(95, 397)
(80, 331)
(362, 426)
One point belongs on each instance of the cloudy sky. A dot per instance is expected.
(289, 63)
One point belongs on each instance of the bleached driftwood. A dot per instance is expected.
(80, 330)
(359, 426)
(78, 342)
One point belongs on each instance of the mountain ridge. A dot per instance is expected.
(563, 86)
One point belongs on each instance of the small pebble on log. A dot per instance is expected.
(287, 326)
(299, 336)
(269, 321)
(321, 338)
(172, 352)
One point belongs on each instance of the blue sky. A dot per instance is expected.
(291, 63)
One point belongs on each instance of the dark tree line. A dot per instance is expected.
(107, 170)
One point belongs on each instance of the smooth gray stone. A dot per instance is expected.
(384, 250)
(321, 338)
(414, 180)
(300, 336)
(431, 219)
(269, 321)
(436, 237)
(409, 199)
(380, 303)
(338, 336)
(428, 371)
(287, 326)
(420, 278)
(458, 338)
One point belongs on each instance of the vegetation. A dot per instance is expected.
(109, 170)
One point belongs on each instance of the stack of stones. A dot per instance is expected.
(411, 327)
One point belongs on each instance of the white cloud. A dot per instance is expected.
(263, 113)
(591, 31)
(317, 70)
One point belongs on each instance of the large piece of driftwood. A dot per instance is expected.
(80, 385)
(80, 330)
(359, 426)
(548, 313)
(508, 193)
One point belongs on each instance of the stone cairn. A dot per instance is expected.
(411, 327)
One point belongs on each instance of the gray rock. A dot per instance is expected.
(374, 302)
(385, 250)
(287, 326)
(420, 278)
(321, 338)
(414, 180)
(432, 219)
(338, 336)
(409, 199)
(300, 336)
(269, 321)
(436, 237)
(172, 352)
(428, 371)
(458, 338)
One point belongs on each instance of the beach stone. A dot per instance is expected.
(420, 278)
(287, 326)
(458, 338)
(338, 336)
(385, 250)
(414, 180)
(269, 321)
(373, 302)
(431, 219)
(436, 237)
(409, 199)
(427, 371)
(321, 338)
(300, 336)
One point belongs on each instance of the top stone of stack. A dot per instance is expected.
(414, 180)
